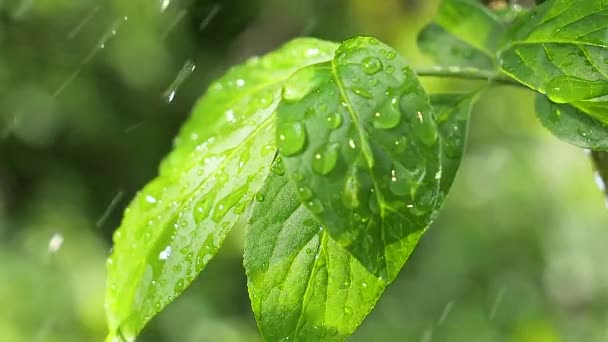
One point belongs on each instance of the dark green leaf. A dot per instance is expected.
(302, 284)
(176, 224)
(571, 125)
(359, 139)
(600, 159)
(560, 49)
(465, 34)
(452, 113)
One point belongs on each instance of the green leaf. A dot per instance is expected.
(465, 34)
(571, 125)
(359, 139)
(560, 49)
(302, 284)
(452, 113)
(176, 224)
(600, 159)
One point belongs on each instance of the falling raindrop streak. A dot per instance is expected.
(178, 18)
(427, 335)
(212, 13)
(101, 44)
(83, 23)
(184, 73)
(497, 302)
(110, 208)
(55, 243)
(133, 127)
(446, 311)
(164, 4)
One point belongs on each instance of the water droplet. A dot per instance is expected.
(315, 206)
(415, 107)
(348, 311)
(334, 120)
(371, 65)
(325, 158)
(292, 138)
(389, 54)
(305, 193)
(277, 167)
(390, 69)
(179, 286)
(308, 250)
(298, 177)
(259, 197)
(362, 92)
(165, 253)
(388, 115)
(363, 284)
(185, 72)
(266, 100)
(400, 145)
(202, 210)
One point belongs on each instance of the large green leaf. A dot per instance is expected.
(571, 125)
(359, 140)
(560, 48)
(452, 113)
(464, 34)
(176, 224)
(303, 285)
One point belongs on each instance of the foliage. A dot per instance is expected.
(352, 168)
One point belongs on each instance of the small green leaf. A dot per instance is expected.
(373, 180)
(452, 113)
(176, 224)
(560, 49)
(302, 284)
(571, 125)
(465, 34)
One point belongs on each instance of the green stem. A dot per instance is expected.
(467, 74)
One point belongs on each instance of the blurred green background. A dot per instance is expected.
(517, 254)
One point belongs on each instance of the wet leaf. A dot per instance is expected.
(571, 125)
(560, 49)
(600, 160)
(302, 284)
(452, 113)
(464, 34)
(176, 224)
(373, 180)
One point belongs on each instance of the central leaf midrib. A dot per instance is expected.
(356, 121)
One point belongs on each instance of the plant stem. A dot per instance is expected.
(467, 74)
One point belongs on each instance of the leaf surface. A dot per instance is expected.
(560, 49)
(464, 34)
(452, 113)
(176, 224)
(571, 125)
(359, 140)
(302, 284)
